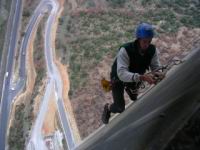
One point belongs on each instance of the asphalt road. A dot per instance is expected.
(6, 44)
(55, 83)
(36, 141)
(150, 122)
(6, 97)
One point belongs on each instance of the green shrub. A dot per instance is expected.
(97, 34)
(116, 3)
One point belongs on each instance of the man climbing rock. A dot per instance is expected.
(129, 67)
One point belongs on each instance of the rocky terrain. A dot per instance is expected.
(187, 138)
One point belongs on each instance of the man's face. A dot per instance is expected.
(144, 43)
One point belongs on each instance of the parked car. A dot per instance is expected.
(6, 75)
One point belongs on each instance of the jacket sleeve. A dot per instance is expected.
(122, 67)
(155, 62)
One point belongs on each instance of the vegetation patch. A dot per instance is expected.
(116, 3)
(39, 58)
(91, 34)
(4, 15)
(98, 36)
(16, 139)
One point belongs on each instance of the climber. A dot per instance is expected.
(129, 69)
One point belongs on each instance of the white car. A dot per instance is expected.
(12, 88)
(6, 74)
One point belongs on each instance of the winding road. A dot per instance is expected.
(54, 85)
(55, 82)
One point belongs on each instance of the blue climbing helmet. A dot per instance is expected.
(144, 30)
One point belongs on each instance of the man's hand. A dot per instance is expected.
(158, 76)
(148, 78)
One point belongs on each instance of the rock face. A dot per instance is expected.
(188, 138)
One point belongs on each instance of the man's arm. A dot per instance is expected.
(155, 67)
(122, 68)
(124, 74)
(155, 62)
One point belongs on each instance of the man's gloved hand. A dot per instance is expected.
(158, 76)
(148, 78)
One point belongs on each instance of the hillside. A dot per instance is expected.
(90, 32)
(4, 14)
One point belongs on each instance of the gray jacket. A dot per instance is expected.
(123, 63)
